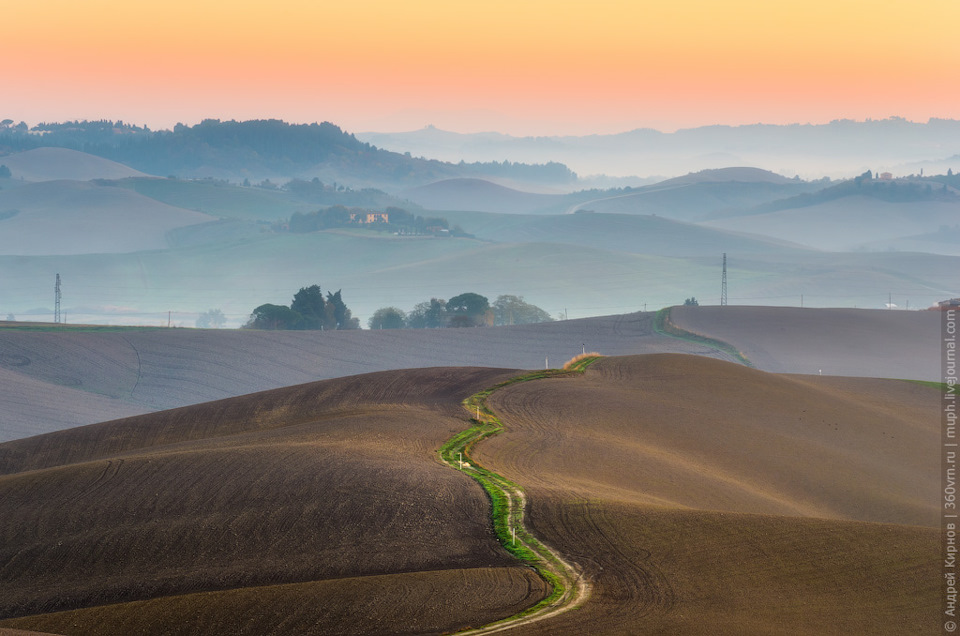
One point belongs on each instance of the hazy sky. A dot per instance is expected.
(528, 67)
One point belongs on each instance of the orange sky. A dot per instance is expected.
(538, 68)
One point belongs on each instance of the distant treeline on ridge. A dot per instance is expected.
(392, 219)
(310, 310)
(258, 147)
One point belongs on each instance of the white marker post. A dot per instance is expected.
(460, 455)
(514, 531)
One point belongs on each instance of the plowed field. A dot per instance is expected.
(875, 343)
(697, 495)
(705, 498)
(259, 514)
(133, 371)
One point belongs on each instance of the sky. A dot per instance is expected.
(526, 68)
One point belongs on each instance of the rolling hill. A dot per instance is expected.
(847, 224)
(701, 195)
(305, 510)
(705, 498)
(698, 496)
(630, 233)
(128, 371)
(81, 217)
(479, 195)
(106, 374)
(59, 164)
(839, 149)
(847, 342)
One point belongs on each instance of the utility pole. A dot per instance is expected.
(723, 284)
(56, 301)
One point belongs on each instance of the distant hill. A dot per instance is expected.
(83, 217)
(478, 195)
(849, 223)
(261, 149)
(632, 233)
(701, 195)
(945, 240)
(50, 164)
(737, 174)
(216, 267)
(839, 149)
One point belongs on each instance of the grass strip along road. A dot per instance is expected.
(663, 325)
(569, 588)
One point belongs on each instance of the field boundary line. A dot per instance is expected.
(569, 587)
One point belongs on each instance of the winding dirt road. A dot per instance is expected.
(571, 587)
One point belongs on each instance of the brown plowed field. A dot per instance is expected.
(134, 371)
(699, 496)
(406, 603)
(875, 343)
(704, 497)
(321, 486)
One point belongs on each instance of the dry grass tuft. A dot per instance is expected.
(577, 358)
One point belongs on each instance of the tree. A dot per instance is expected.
(5, 172)
(513, 310)
(387, 318)
(213, 318)
(468, 310)
(307, 311)
(691, 302)
(274, 317)
(309, 303)
(342, 316)
(428, 315)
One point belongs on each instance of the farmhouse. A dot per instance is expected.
(370, 217)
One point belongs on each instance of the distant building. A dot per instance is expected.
(953, 303)
(370, 217)
(886, 176)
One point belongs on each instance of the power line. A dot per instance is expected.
(723, 285)
(56, 311)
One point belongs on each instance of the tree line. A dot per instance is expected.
(464, 310)
(309, 310)
(397, 220)
(258, 146)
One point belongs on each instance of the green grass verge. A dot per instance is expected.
(485, 423)
(663, 325)
(942, 386)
